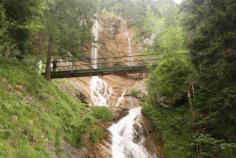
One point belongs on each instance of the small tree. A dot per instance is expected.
(169, 82)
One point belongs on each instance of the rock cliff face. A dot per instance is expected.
(116, 39)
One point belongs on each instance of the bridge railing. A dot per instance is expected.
(100, 63)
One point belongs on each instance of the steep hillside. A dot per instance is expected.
(37, 119)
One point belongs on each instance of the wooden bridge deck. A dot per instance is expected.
(99, 72)
(118, 66)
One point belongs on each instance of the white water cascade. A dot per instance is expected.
(100, 91)
(123, 137)
(131, 60)
(124, 134)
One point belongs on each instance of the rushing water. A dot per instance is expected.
(100, 91)
(124, 144)
(127, 141)
(130, 61)
(94, 52)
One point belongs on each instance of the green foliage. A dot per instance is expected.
(172, 41)
(69, 23)
(134, 17)
(35, 113)
(135, 93)
(216, 112)
(4, 39)
(212, 147)
(102, 113)
(15, 25)
(211, 27)
(88, 131)
(212, 46)
(27, 25)
(58, 139)
(172, 127)
(169, 82)
(160, 21)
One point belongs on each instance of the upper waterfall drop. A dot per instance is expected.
(130, 51)
(94, 52)
(100, 91)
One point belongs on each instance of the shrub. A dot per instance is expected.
(135, 93)
(169, 82)
(102, 113)
(88, 132)
(171, 126)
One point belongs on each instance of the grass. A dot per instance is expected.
(88, 130)
(35, 113)
(102, 113)
(135, 92)
(171, 125)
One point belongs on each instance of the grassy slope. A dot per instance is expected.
(172, 127)
(35, 113)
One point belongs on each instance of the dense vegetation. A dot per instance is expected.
(37, 118)
(191, 94)
(45, 28)
(36, 114)
(212, 50)
(201, 83)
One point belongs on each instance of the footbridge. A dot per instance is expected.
(119, 65)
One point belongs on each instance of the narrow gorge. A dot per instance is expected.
(127, 135)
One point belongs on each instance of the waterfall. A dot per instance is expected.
(124, 143)
(94, 52)
(100, 91)
(127, 142)
(130, 51)
(124, 135)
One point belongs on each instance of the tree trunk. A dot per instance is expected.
(49, 57)
(191, 107)
(37, 47)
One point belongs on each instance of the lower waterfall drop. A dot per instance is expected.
(100, 91)
(124, 144)
(127, 142)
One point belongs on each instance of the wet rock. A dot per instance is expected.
(82, 97)
(153, 141)
(138, 133)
